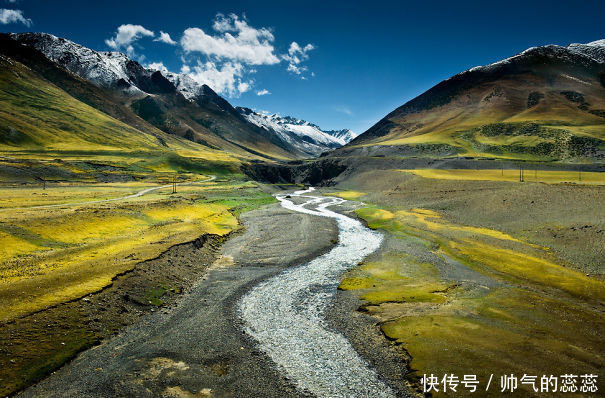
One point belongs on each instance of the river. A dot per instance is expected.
(284, 313)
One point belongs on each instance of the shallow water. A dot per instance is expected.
(285, 313)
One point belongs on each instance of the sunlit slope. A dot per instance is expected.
(37, 116)
(546, 103)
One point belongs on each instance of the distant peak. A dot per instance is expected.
(306, 137)
(597, 43)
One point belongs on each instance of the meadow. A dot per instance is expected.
(53, 255)
(472, 279)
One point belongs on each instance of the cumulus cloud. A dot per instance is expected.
(234, 40)
(158, 66)
(13, 16)
(225, 78)
(242, 87)
(224, 56)
(126, 35)
(295, 56)
(165, 38)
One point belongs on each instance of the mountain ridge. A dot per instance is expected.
(206, 118)
(177, 104)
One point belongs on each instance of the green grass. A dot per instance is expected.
(37, 117)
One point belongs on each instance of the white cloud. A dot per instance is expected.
(158, 66)
(296, 69)
(165, 38)
(242, 87)
(126, 35)
(224, 79)
(13, 16)
(296, 55)
(231, 51)
(235, 41)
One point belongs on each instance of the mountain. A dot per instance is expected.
(49, 115)
(307, 138)
(140, 96)
(545, 103)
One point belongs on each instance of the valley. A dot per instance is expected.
(158, 241)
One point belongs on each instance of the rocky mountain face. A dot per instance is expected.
(308, 138)
(544, 103)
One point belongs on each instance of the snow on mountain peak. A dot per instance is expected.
(303, 135)
(594, 50)
(109, 69)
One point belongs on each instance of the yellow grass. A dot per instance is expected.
(530, 268)
(48, 256)
(348, 195)
(550, 177)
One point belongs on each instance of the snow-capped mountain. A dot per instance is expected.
(594, 50)
(184, 84)
(106, 69)
(307, 137)
(345, 135)
(109, 69)
(533, 88)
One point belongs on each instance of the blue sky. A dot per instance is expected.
(355, 61)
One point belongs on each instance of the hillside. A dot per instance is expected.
(546, 103)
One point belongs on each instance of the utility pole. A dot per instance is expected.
(580, 173)
(174, 184)
(43, 182)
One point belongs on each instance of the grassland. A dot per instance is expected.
(50, 256)
(468, 282)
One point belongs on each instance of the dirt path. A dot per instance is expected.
(131, 196)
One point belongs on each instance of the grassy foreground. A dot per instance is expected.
(50, 256)
(464, 296)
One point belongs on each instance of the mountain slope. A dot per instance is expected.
(544, 103)
(38, 116)
(147, 97)
(306, 138)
